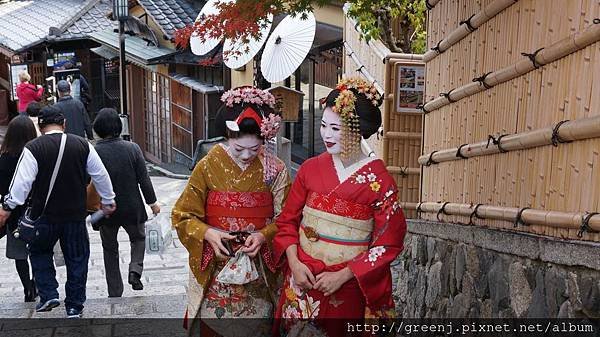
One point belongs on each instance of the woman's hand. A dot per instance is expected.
(330, 282)
(253, 243)
(303, 277)
(214, 237)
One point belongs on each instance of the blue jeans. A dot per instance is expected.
(75, 245)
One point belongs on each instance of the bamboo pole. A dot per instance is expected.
(404, 171)
(403, 135)
(361, 68)
(583, 128)
(529, 216)
(554, 52)
(465, 28)
(431, 3)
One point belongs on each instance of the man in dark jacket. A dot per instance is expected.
(77, 119)
(126, 167)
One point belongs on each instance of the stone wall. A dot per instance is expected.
(450, 270)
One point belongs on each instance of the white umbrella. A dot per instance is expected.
(236, 55)
(287, 47)
(198, 47)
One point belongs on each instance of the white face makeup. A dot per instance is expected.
(331, 131)
(244, 148)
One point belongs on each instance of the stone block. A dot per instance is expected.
(433, 285)
(520, 292)
(538, 307)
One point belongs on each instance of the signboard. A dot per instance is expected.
(15, 69)
(410, 87)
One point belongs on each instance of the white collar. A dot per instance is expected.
(344, 173)
(51, 132)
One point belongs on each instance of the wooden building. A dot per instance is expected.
(35, 35)
(171, 97)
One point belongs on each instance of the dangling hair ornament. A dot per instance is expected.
(345, 105)
(269, 130)
(269, 125)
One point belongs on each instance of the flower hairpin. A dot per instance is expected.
(248, 95)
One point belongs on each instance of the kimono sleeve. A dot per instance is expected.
(189, 211)
(372, 268)
(288, 222)
(279, 190)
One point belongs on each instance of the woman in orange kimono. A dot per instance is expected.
(341, 226)
(234, 193)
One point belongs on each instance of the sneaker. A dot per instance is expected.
(48, 305)
(74, 313)
(134, 280)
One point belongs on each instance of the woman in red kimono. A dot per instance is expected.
(341, 226)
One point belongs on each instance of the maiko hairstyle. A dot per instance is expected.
(108, 123)
(20, 131)
(369, 115)
(231, 110)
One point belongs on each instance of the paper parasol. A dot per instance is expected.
(287, 47)
(236, 55)
(199, 48)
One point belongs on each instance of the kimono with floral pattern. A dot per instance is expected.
(339, 217)
(222, 195)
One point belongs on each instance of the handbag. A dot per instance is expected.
(26, 227)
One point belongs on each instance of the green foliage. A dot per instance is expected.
(409, 15)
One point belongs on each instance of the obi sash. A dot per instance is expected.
(238, 211)
(334, 238)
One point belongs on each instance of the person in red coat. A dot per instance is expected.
(27, 92)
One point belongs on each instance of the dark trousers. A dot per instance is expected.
(110, 246)
(75, 245)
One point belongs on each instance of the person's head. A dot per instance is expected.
(33, 109)
(108, 123)
(64, 88)
(351, 113)
(24, 76)
(20, 131)
(244, 135)
(51, 118)
(241, 118)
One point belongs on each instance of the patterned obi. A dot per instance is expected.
(334, 230)
(239, 211)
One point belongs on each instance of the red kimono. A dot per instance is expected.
(339, 217)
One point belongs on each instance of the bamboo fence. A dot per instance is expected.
(561, 179)
(529, 62)
(400, 145)
(467, 26)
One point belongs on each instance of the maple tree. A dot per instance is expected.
(242, 20)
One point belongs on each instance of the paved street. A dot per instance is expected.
(164, 278)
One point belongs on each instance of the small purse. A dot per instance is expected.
(26, 228)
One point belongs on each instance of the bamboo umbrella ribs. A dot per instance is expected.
(561, 132)
(584, 222)
(467, 26)
(531, 61)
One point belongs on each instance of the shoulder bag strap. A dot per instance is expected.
(61, 151)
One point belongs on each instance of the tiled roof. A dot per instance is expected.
(26, 23)
(95, 19)
(170, 15)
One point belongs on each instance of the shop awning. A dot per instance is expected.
(136, 49)
(106, 52)
(196, 85)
